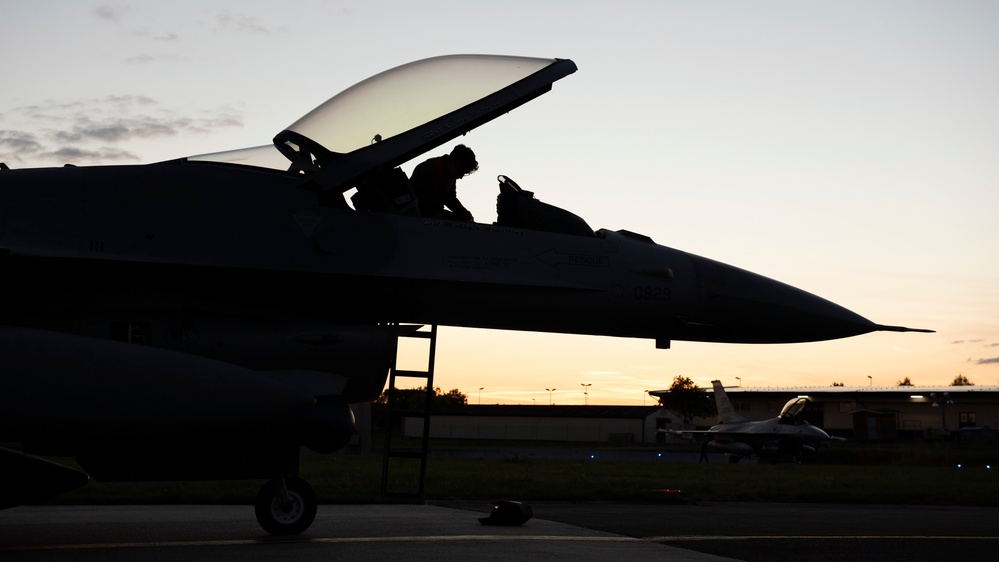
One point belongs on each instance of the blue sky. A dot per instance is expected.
(847, 148)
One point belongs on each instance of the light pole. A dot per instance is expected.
(480, 395)
(941, 402)
(550, 391)
(586, 393)
(740, 380)
(870, 380)
(644, 396)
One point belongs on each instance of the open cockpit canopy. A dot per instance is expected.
(406, 97)
(791, 413)
(401, 113)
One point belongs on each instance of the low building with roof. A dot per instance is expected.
(861, 413)
(609, 424)
(874, 413)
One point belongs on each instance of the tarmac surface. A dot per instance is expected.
(799, 531)
(576, 531)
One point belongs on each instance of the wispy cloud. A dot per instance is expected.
(140, 59)
(241, 23)
(73, 154)
(150, 58)
(987, 361)
(110, 12)
(85, 131)
(18, 142)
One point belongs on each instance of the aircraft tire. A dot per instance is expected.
(292, 521)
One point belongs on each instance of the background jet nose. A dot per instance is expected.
(817, 433)
(738, 306)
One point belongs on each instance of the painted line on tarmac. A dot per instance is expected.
(682, 538)
(342, 540)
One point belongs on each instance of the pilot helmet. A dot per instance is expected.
(464, 159)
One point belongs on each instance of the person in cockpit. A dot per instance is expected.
(434, 183)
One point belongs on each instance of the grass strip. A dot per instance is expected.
(344, 478)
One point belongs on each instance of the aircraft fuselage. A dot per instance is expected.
(196, 236)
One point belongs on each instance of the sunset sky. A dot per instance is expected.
(850, 149)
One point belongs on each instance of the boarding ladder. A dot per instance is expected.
(406, 454)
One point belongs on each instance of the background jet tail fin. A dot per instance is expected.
(726, 413)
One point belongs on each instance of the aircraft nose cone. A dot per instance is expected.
(818, 434)
(738, 306)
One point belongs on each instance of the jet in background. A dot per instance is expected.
(785, 437)
(206, 317)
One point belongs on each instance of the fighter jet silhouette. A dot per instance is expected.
(206, 317)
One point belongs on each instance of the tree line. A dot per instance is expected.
(959, 380)
(416, 398)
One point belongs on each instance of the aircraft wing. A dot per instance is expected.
(26, 478)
